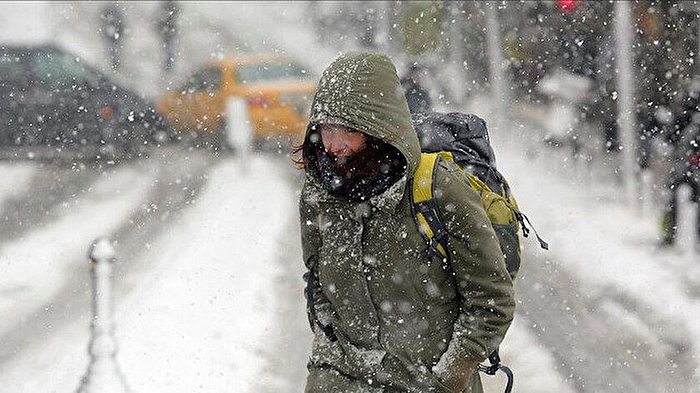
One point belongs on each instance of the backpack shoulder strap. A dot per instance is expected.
(424, 208)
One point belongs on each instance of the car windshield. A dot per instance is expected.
(208, 79)
(59, 71)
(269, 72)
(11, 69)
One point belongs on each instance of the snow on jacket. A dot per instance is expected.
(394, 308)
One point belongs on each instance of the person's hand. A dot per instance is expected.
(455, 373)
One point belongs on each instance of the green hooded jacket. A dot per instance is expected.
(394, 307)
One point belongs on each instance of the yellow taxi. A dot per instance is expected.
(277, 90)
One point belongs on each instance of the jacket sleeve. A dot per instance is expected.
(317, 303)
(485, 289)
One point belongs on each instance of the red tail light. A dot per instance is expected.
(106, 112)
(567, 6)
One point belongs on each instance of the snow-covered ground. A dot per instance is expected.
(33, 267)
(613, 251)
(15, 179)
(203, 317)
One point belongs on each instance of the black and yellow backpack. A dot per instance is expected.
(463, 139)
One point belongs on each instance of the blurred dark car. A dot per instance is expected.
(51, 98)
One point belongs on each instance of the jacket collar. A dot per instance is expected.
(388, 201)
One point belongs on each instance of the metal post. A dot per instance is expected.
(385, 25)
(103, 374)
(455, 51)
(496, 64)
(626, 112)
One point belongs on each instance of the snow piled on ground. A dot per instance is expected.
(605, 241)
(15, 179)
(532, 365)
(201, 321)
(33, 268)
(198, 321)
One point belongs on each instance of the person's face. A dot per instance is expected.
(342, 141)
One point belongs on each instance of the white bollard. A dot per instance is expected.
(103, 374)
(686, 236)
(239, 133)
(647, 192)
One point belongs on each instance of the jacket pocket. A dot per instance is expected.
(510, 245)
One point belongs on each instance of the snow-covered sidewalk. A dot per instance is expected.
(610, 249)
(33, 268)
(204, 316)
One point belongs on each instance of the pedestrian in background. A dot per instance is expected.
(417, 97)
(386, 313)
(685, 165)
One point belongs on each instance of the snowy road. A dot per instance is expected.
(603, 339)
(152, 191)
(615, 313)
(207, 284)
(47, 190)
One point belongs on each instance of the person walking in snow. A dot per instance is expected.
(685, 169)
(386, 314)
(417, 97)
